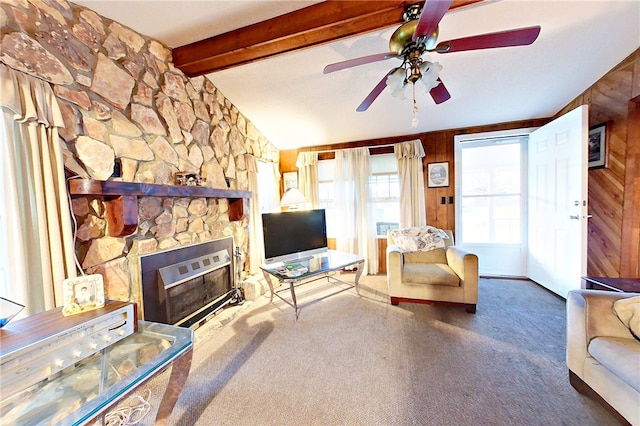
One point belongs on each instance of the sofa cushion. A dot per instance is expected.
(438, 255)
(429, 273)
(628, 310)
(418, 238)
(620, 356)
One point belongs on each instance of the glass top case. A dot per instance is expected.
(79, 393)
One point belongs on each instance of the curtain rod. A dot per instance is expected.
(370, 146)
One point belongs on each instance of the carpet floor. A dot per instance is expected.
(357, 360)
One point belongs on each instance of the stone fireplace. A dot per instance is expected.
(130, 116)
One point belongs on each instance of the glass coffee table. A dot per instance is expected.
(325, 265)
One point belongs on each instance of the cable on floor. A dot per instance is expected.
(130, 414)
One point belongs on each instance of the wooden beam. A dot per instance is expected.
(311, 26)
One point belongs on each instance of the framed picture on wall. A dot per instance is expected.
(290, 180)
(598, 152)
(438, 174)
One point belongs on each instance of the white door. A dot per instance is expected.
(558, 202)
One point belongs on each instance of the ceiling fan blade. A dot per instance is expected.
(359, 61)
(519, 37)
(375, 92)
(440, 93)
(432, 13)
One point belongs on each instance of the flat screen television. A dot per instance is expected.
(294, 235)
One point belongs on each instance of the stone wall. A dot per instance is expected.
(123, 101)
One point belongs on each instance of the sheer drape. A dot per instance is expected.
(412, 204)
(256, 241)
(354, 204)
(307, 163)
(38, 233)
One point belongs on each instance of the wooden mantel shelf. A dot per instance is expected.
(121, 199)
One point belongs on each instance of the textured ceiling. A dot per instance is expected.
(294, 104)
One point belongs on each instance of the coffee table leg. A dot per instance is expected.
(293, 297)
(268, 280)
(359, 268)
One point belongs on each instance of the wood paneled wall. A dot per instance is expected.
(614, 194)
(614, 191)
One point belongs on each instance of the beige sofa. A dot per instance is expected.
(444, 275)
(602, 355)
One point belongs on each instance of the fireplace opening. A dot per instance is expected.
(186, 285)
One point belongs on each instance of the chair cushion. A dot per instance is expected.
(438, 255)
(620, 356)
(429, 273)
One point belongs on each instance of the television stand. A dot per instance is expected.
(319, 266)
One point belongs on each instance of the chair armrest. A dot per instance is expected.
(464, 264)
(590, 314)
(395, 262)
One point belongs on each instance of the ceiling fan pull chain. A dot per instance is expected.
(414, 122)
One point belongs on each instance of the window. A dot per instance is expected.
(384, 185)
(326, 195)
(385, 189)
(491, 192)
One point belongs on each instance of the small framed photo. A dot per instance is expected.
(83, 294)
(598, 150)
(438, 174)
(290, 180)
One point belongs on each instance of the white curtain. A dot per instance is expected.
(412, 204)
(354, 205)
(36, 223)
(275, 201)
(307, 163)
(256, 241)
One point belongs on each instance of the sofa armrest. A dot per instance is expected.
(464, 264)
(395, 262)
(590, 314)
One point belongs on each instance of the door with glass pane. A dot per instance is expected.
(491, 201)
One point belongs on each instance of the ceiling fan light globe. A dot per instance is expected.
(400, 93)
(396, 80)
(430, 73)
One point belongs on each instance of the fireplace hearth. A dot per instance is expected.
(184, 286)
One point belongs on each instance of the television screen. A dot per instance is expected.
(294, 235)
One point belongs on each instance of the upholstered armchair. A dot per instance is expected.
(445, 275)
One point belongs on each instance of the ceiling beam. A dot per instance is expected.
(313, 25)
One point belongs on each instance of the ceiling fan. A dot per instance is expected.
(418, 35)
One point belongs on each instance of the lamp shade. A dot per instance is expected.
(292, 196)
